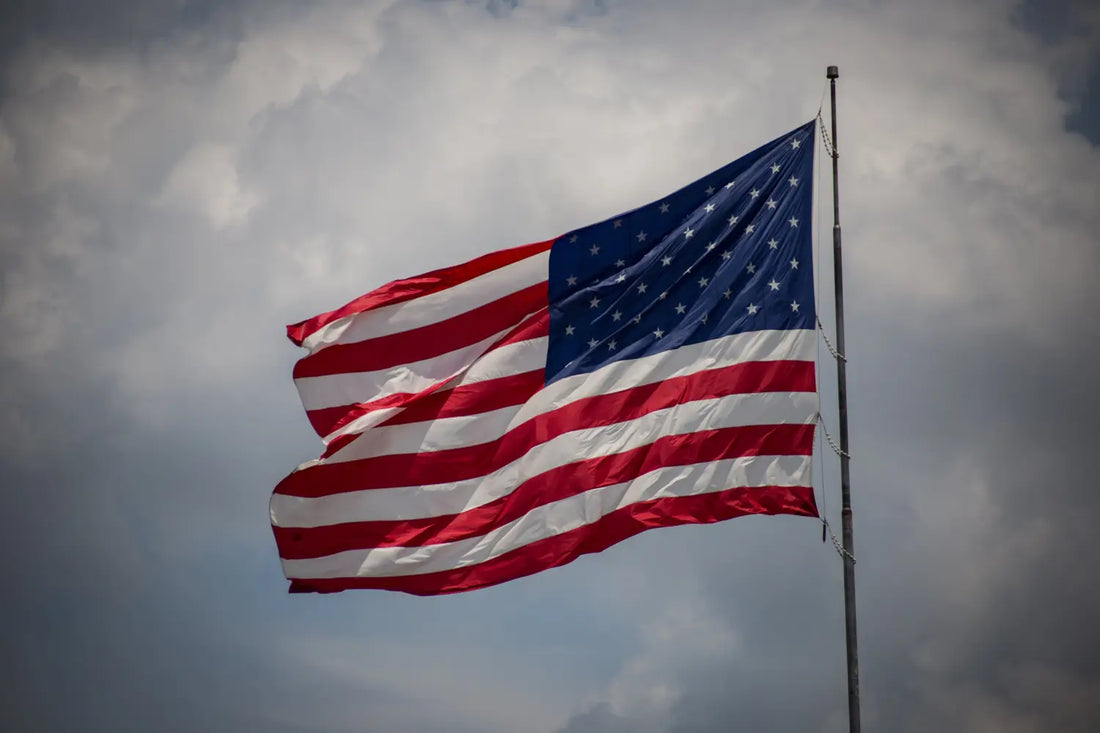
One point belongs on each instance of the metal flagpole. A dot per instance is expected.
(842, 398)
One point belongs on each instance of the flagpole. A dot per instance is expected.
(851, 647)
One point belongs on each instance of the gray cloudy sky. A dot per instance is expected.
(180, 179)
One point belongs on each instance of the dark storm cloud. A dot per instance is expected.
(116, 24)
(1073, 25)
(179, 180)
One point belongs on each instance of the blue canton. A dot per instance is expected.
(729, 253)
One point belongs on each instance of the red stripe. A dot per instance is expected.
(425, 342)
(536, 325)
(457, 464)
(472, 399)
(469, 399)
(400, 291)
(596, 537)
(553, 485)
(329, 419)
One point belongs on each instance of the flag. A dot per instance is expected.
(500, 417)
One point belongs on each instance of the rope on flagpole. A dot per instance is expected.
(832, 349)
(826, 528)
(836, 543)
(829, 439)
(818, 446)
(825, 136)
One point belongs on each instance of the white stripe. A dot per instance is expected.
(528, 355)
(414, 502)
(558, 517)
(518, 357)
(428, 436)
(726, 351)
(335, 390)
(433, 307)
(508, 360)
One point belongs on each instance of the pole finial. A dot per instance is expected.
(832, 72)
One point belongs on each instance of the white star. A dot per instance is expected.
(775, 168)
(793, 181)
(711, 246)
(773, 243)
(795, 144)
(573, 239)
(771, 203)
(794, 222)
(689, 233)
(664, 208)
(727, 254)
(620, 263)
(728, 293)
(708, 208)
(750, 229)
(681, 308)
(704, 318)
(641, 236)
(733, 220)
(666, 261)
(571, 280)
(616, 316)
(595, 302)
(618, 223)
(794, 306)
(710, 190)
(688, 271)
(730, 184)
(641, 288)
(658, 333)
(752, 309)
(794, 264)
(595, 250)
(663, 295)
(773, 284)
(569, 330)
(611, 344)
(703, 282)
(754, 193)
(751, 268)
(593, 343)
(621, 278)
(637, 318)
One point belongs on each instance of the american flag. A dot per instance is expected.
(497, 418)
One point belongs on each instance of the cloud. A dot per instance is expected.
(206, 181)
(644, 693)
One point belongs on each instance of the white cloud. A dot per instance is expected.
(683, 634)
(206, 180)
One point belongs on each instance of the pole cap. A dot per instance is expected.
(832, 72)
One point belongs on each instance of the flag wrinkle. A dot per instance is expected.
(552, 485)
(413, 288)
(357, 419)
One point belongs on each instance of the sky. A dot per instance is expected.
(179, 180)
